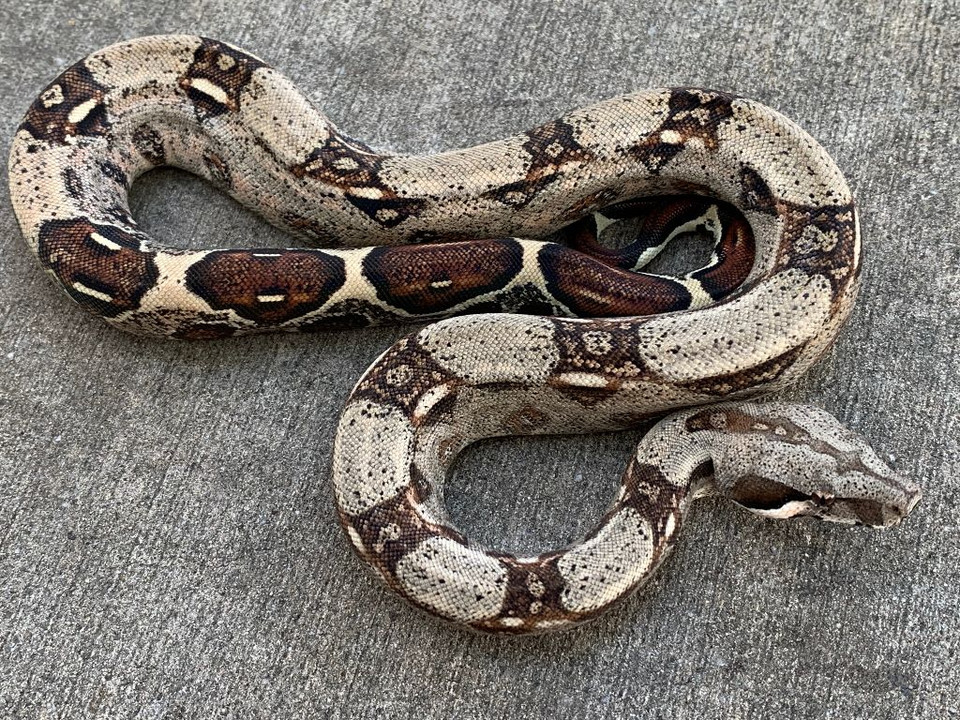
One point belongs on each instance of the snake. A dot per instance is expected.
(536, 325)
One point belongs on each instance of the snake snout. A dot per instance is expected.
(869, 511)
(901, 500)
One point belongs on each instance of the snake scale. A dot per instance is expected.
(591, 342)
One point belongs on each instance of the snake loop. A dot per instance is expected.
(597, 344)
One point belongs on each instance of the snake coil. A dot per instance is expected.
(595, 344)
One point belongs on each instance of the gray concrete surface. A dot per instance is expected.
(168, 547)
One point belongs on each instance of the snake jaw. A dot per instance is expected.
(844, 510)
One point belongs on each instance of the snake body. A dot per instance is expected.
(463, 232)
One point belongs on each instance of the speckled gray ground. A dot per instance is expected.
(168, 547)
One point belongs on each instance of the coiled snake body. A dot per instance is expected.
(780, 285)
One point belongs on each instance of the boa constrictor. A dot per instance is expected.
(780, 285)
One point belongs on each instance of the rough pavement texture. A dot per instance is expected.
(168, 546)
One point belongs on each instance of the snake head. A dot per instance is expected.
(783, 460)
